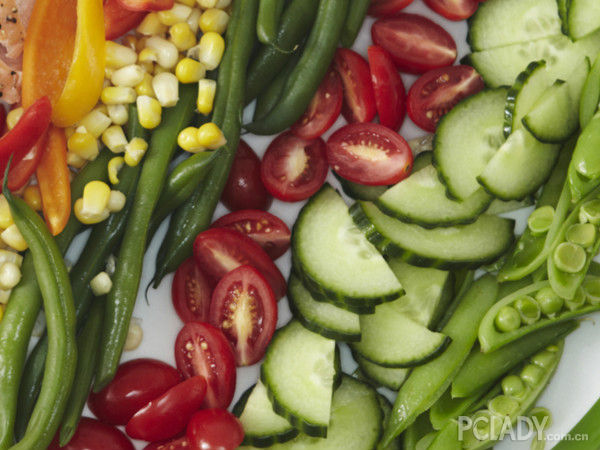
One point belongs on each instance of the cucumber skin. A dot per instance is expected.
(377, 381)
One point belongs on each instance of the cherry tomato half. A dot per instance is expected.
(167, 415)
(359, 99)
(136, 383)
(118, 20)
(454, 9)
(214, 429)
(201, 349)
(389, 89)
(415, 43)
(244, 308)
(293, 168)
(438, 91)
(267, 230)
(369, 153)
(92, 434)
(177, 444)
(387, 8)
(244, 188)
(191, 292)
(147, 5)
(323, 110)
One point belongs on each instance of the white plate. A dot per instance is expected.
(572, 391)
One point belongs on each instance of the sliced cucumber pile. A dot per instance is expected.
(391, 378)
(583, 17)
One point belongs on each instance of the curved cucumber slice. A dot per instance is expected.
(584, 17)
(423, 160)
(360, 191)
(384, 376)
(473, 245)
(335, 258)
(323, 318)
(500, 206)
(299, 372)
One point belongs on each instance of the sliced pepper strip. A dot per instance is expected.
(22, 169)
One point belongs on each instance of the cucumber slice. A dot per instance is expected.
(262, 426)
(498, 23)
(323, 318)
(422, 160)
(519, 167)
(467, 138)
(298, 372)
(563, 13)
(584, 17)
(335, 258)
(382, 376)
(422, 199)
(501, 207)
(390, 338)
(473, 245)
(360, 191)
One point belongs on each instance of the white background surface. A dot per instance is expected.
(572, 391)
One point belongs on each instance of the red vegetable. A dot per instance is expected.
(177, 444)
(147, 5)
(214, 429)
(359, 99)
(387, 8)
(92, 434)
(389, 89)
(118, 20)
(454, 9)
(191, 292)
(21, 170)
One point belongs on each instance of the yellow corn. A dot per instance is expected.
(167, 54)
(130, 41)
(178, 13)
(207, 3)
(88, 219)
(188, 140)
(10, 275)
(147, 55)
(69, 131)
(4, 297)
(135, 334)
(6, 219)
(114, 95)
(182, 36)
(95, 122)
(118, 114)
(190, 3)
(83, 144)
(215, 20)
(33, 197)
(151, 25)
(101, 284)
(13, 238)
(13, 117)
(211, 48)
(75, 161)
(222, 4)
(116, 201)
(166, 88)
(189, 71)
(135, 151)
(117, 55)
(128, 76)
(95, 197)
(108, 73)
(145, 87)
(207, 90)
(193, 20)
(114, 138)
(10, 256)
(114, 166)
(149, 111)
(211, 136)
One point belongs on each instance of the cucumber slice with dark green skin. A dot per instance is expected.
(563, 13)
(584, 17)
(422, 160)
(360, 191)
(501, 207)
(299, 372)
(322, 318)
(473, 245)
(336, 259)
(382, 376)
(467, 138)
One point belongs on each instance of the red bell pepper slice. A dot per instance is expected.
(118, 20)
(147, 5)
(21, 170)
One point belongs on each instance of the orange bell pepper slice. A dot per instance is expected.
(54, 181)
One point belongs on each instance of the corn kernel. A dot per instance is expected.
(222, 4)
(113, 95)
(13, 117)
(135, 151)
(108, 73)
(189, 71)
(167, 54)
(194, 19)
(215, 20)
(116, 201)
(182, 36)
(88, 219)
(211, 136)
(130, 41)
(114, 166)
(207, 3)
(207, 90)
(128, 76)
(6, 219)
(147, 55)
(134, 335)
(211, 48)
(178, 13)
(145, 87)
(83, 144)
(10, 256)
(166, 88)
(33, 197)
(13, 238)
(188, 140)
(117, 55)
(4, 298)
(10, 275)
(151, 25)
(95, 197)
(149, 112)
(95, 122)
(118, 114)
(114, 138)
(70, 131)
(101, 284)
(75, 161)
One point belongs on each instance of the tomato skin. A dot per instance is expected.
(415, 43)
(438, 91)
(118, 20)
(201, 349)
(214, 429)
(345, 153)
(245, 302)
(454, 9)
(92, 434)
(147, 5)
(389, 90)
(168, 414)
(244, 188)
(387, 8)
(267, 230)
(191, 292)
(283, 155)
(323, 110)
(359, 98)
(177, 444)
(136, 383)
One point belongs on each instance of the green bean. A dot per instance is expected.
(413, 434)
(270, 96)
(53, 279)
(447, 407)
(427, 383)
(586, 434)
(296, 22)
(584, 170)
(267, 23)
(590, 96)
(463, 282)
(309, 72)
(354, 20)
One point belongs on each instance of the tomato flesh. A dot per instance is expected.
(389, 89)
(370, 154)
(415, 43)
(267, 230)
(147, 5)
(118, 20)
(93, 434)
(293, 168)
(387, 8)
(201, 349)
(359, 99)
(191, 292)
(454, 9)
(177, 444)
(214, 429)
(438, 91)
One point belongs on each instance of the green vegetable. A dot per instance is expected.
(590, 97)
(267, 100)
(269, 15)
(354, 20)
(587, 426)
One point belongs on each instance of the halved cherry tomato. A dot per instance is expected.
(267, 230)
(454, 9)
(136, 383)
(369, 153)
(147, 5)
(387, 8)
(293, 168)
(220, 250)
(201, 349)
(92, 434)
(438, 91)
(244, 308)
(191, 292)
(167, 415)
(118, 20)
(244, 188)
(359, 99)
(215, 429)
(177, 444)
(324, 108)
(415, 43)
(389, 89)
